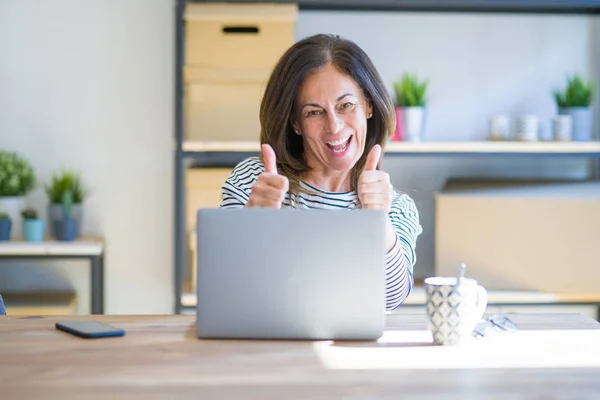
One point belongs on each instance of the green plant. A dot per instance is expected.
(16, 175)
(65, 181)
(29, 213)
(578, 93)
(410, 91)
(4, 215)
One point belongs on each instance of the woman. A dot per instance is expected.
(325, 116)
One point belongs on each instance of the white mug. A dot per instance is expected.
(453, 310)
(528, 128)
(562, 127)
(499, 127)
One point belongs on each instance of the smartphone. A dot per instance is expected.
(89, 329)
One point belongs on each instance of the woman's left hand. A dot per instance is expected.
(374, 187)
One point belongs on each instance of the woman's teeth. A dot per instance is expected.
(338, 146)
(339, 141)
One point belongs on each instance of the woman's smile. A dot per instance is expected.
(339, 147)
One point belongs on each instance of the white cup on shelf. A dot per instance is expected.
(499, 127)
(562, 127)
(528, 128)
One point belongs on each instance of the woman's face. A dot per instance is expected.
(332, 119)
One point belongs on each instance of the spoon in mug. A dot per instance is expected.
(461, 272)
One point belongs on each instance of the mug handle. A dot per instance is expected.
(482, 301)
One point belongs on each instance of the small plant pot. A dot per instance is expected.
(582, 122)
(33, 230)
(55, 214)
(414, 123)
(399, 132)
(66, 229)
(12, 206)
(5, 225)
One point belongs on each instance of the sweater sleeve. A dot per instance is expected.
(400, 260)
(237, 187)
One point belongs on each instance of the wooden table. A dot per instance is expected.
(552, 356)
(91, 249)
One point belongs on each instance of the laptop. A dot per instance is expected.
(290, 274)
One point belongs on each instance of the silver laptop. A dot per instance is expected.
(291, 274)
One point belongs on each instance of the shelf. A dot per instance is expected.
(220, 147)
(226, 153)
(441, 148)
(492, 147)
(80, 247)
(495, 297)
(489, 6)
(188, 300)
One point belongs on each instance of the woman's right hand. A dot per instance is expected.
(270, 188)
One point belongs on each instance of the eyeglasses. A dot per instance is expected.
(494, 324)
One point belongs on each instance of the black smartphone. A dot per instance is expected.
(89, 329)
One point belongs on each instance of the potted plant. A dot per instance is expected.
(5, 225)
(17, 178)
(66, 228)
(410, 113)
(65, 185)
(33, 226)
(575, 100)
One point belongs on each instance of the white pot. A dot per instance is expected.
(414, 123)
(13, 207)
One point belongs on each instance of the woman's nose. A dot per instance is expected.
(335, 124)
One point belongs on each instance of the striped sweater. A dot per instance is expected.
(400, 260)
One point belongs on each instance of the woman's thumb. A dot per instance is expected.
(269, 159)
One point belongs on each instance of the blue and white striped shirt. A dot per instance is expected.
(400, 260)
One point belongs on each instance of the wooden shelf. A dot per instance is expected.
(489, 6)
(492, 147)
(480, 147)
(495, 297)
(80, 247)
(193, 146)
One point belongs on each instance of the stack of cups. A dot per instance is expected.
(528, 128)
(562, 127)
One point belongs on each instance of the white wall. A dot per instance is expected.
(89, 85)
(479, 65)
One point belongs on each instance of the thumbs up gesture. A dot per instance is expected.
(270, 188)
(374, 187)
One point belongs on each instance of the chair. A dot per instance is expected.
(2, 308)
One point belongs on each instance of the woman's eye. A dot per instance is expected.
(313, 113)
(347, 106)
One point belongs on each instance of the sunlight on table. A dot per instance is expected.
(415, 350)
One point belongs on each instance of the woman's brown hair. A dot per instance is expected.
(278, 104)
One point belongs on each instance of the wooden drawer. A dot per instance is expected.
(225, 35)
(222, 105)
(203, 190)
(193, 254)
(539, 236)
(584, 309)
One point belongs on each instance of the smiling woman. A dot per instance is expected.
(325, 117)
